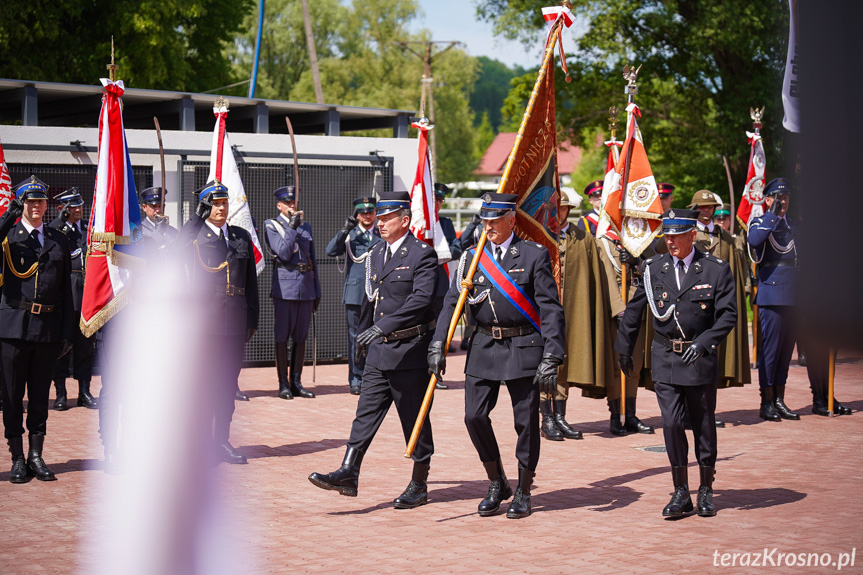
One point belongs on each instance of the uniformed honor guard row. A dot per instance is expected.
(538, 336)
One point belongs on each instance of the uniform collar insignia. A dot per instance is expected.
(697, 266)
(513, 250)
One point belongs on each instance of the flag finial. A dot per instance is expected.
(612, 118)
(630, 74)
(566, 4)
(756, 116)
(221, 102)
(112, 68)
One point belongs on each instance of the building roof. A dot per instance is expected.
(494, 160)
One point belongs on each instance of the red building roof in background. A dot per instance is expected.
(494, 159)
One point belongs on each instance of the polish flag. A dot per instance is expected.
(5, 183)
(603, 228)
(223, 168)
(425, 224)
(752, 200)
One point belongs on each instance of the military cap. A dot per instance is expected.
(665, 189)
(722, 212)
(390, 202)
(32, 189)
(705, 198)
(70, 198)
(441, 191)
(364, 204)
(216, 191)
(593, 189)
(778, 186)
(496, 205)
(152, 195)
(569, 197)
(677, 221)
(285, 194)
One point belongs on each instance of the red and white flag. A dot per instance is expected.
(425, 224)
(633, 206)
(115, 220)
(752, 200)
(223, 168)
(5, 183)
(603, 228)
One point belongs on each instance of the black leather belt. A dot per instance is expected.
(497, 332)
(234, 290)
(675, 345)
(77, 271)
(778, 264)
(32, 306)
(301, 267)
(411, 331)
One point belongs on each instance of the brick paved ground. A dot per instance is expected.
(597, 502)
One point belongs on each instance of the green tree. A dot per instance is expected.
(485, 134)
(168, 45)
(492, 86)
(704, 64)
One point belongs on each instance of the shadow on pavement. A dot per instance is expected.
(291, 450)
(747, 499)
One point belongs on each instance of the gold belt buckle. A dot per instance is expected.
(36, 308)
(496, 332)
(229, 289)
(677, 346)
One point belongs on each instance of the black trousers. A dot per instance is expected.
(80, 359)
(355, 368)
(480, 397)
(700, 402)
(405, 387)
(26, 365)
(220, 372)
(818, 367)
(776, 346)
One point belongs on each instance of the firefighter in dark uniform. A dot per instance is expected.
(590, 220)
(520, 347)
(36, 322)
(296, 290)
(354, 241)
(155, 224)
(396, 327)
(71, 223)
(692, 298)
(222, 272)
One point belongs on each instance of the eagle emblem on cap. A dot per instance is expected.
(671, 214)
(486, 198)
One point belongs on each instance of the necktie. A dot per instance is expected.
(388, 255)
(35, 235)
(498, 253)
(222, 238)
(681, 273)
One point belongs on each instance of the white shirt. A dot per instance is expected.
(687, 261)
(30, 229)
(708, 227)
(503, 246)
(395, 246)
(216, 230)
(564, 228)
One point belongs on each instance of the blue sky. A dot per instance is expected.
(456, 20)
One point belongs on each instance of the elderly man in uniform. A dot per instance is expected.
(296, 290)
(590, 220)
(70, 222)
(223, 271)
(36, 322)
(355, 239)
(519, 344)
(691, 296)
(397, 324)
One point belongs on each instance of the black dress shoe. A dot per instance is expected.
(548, 428)
(285, 392)
(439, 385)
(228, 454)
(498, 490)
(720, 423)
(520, 506)
(345, 479)
(819, 406)
(768, 408)
(704, 504)
(416, 493)
(560, 420)
(61, 402)
(614, 425)
(85, 399)
(240, 396)
(839, 409)
(35, 464)
(355, 389)
(18, 474)
(631, 423)
(779, 404)
(681, 502)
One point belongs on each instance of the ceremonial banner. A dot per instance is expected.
(115, 220)
(633, 206)
(223, 168)
(425, 224)
(752, 199)
(791, 83)
(603, 228)
(5, 183)
(533, 176)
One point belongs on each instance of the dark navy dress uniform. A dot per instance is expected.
(359, 241)
(36, 315)
(701, 312)
(162, 233)
(296, 289)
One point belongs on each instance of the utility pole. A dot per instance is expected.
(427, 82)
(313, 53)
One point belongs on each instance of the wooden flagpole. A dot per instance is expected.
(467, 283)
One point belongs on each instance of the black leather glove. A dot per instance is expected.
(350, 223)
(626, 257)
(295, 221)
(65, 347)
(16, 208)
(546, 374)
(471, 226)
(205, 206)
(162, 223)
(625, 363)
(361, 346)
(776, 207)
(316, 304)
(437, 359)
(693, 352)
(250, 333)
(64, 215)
(618, 319)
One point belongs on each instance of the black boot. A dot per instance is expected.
(520, 506)
(548, 429)
(819, 405)
(680, 502)
(560, 419)
(84, 397)
(18, 474)
(768, 408)
(35, 465)
(224, 450)
(614, 423)
(298, 353)
(498, 491)
(416, 493)
(239, 395)
(282, 370)
(779, 404)
(705, 492)
(346, 478)
(61, 403)
(631, 422)
(839, 409)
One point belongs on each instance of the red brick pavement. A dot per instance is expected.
(597, 502)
